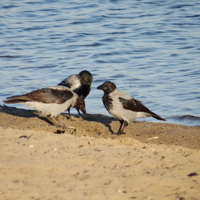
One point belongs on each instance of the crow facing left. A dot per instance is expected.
(124, 107)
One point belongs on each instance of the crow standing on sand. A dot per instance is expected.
(50, 101)
(79, 83)
(124, 107)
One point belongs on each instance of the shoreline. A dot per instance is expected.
(101, 126)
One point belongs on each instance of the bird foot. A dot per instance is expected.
(68, 116)
(119, 133)
(59, 131)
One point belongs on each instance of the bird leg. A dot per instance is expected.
(69, 113)
(64, 124)
(79, 112)
(55, 119)
(123, 125)
(121, 122)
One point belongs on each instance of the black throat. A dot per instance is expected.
(107, 101)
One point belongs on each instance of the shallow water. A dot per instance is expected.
(149, 49)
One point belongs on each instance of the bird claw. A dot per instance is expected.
(120, 133)
(59, 132)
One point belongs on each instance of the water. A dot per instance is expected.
(149, 49)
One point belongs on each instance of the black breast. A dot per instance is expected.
(108, 102)
(83, 91)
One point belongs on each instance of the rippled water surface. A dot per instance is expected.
(149, 49)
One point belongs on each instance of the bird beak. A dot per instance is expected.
(83, 111)
(100, 87)
(61, 83)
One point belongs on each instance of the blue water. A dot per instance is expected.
(149, 49)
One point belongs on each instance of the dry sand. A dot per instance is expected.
(151, 161)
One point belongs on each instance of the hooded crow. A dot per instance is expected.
(79, 83)
(123, 107)
(50, 101)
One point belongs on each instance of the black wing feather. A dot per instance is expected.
(133, 104)
(137, 106)
(44, 95)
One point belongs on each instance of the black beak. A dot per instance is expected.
(84, 111)
(100, 87)
(61, 83)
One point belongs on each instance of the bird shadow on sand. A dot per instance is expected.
(105, 120)
(19, 112)
(26, 113)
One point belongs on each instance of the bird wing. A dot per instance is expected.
(137, 106)
(44, 95)
(71, 82)
(134, 105)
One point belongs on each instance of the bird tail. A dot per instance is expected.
(15, 99)
(157, 117)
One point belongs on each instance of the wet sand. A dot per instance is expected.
(150, 161)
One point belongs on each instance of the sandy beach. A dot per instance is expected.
(151, 161)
